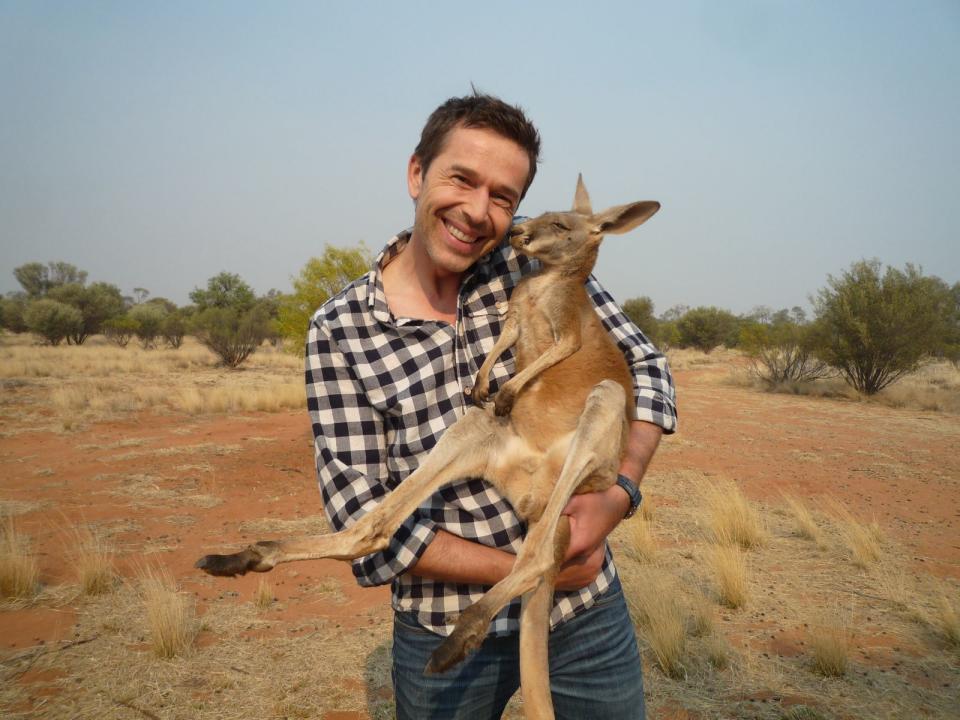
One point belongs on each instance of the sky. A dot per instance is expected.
(156, 144)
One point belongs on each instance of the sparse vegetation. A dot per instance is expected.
(642, 544)
(93, 557)
(948, 619)
(729, 568)
(19, 574)
(862, 540)
(169, 613)
(732, 519)
(829, 639)
(263, 598)
(657, 609)
(806, 525)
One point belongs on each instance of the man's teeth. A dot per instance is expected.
(462, 237)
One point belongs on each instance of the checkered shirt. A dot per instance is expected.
(380, 392)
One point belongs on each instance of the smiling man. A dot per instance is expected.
(390, 365)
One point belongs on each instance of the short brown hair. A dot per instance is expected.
(479, 110)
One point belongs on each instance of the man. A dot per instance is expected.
(390, 363)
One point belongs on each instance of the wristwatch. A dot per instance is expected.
(633, 491)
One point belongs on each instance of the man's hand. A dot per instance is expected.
(592, 517)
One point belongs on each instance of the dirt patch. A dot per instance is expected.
(167, 488)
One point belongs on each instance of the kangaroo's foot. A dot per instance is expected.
(468, 635)
(254, 559)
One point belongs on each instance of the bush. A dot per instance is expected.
(875, 328)
(782, 351)
(319, 280)
(706, 328)
(52, 320)
(233, 334)
(149, 322)
(120, 329)
(12, 308)
(173, 328)
(97, 303)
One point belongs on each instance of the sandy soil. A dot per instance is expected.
(171, 488)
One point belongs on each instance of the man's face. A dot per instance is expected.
(466, 199)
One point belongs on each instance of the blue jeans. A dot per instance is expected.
(594, 670)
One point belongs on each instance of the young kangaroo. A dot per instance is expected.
(556, 428)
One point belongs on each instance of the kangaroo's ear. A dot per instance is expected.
(581, 200)
(623, 218)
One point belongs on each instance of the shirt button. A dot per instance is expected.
(502, 306)
(468, 391)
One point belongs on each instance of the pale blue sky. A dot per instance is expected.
(156, 144)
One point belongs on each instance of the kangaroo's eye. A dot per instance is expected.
(559, 226)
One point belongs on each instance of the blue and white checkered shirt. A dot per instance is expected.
(380, 392)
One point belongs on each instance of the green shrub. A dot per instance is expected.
(782, 351)
(52, 320)
(173, 328)
(706, 328)
(97, 303)
(149, 323)
(120, 329)
(232, 333)
(877, 327)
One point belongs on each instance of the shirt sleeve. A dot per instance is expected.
(350, 456)
(652, 382)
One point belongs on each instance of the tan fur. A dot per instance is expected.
(556, 428)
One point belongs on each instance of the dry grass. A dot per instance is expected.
(641, 543)
(830, 641)
(93, 562)
(731, 518)
(263, 597)
(657, 608)
(97, 381)
(702, 615)
(19, 574)
(729, 568)
(864, 541)
(806, 525)
(169, 613)
(947, 619)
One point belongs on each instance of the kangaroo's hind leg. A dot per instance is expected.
(594, 450)
(464, 450)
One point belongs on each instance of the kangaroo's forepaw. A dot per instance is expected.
(503, 403)
(467, 636)
(249, 560)
(530, 507)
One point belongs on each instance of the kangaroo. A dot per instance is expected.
(556, 428)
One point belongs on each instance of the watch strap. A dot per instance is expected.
(633, 491)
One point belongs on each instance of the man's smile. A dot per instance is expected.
(460, 235)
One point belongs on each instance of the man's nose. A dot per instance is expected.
(477, 205)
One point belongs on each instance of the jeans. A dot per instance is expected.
(594, 670)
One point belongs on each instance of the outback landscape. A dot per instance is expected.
(798, 555)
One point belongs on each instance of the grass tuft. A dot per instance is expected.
(730, 571)
(94, 562)
(864, 541)
(731, 517)
(656, 606)
(948, 619)
(19, 574)
(263, 598)
(641, 543)
(829, 642)
(170, 615)
(806, 525)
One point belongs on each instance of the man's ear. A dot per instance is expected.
(414, 177)
(623, 218)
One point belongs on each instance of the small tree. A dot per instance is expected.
(782, 351)
(705, 328)
(173, 328)
(52, 320)
(319, 280)
(12, 308)
(228, 318)
(877, 327)
(119, 330)
(97, 303)
(38, 279)
(149, 322)
(231, 333)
